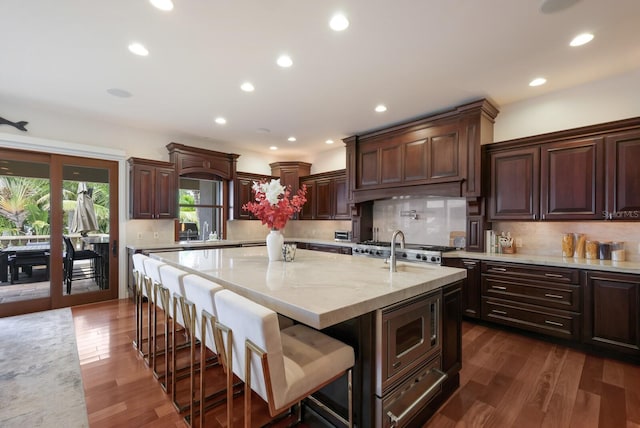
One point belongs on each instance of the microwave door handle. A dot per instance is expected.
(396, 419)
(434, 323)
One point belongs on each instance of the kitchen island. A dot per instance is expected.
(344, 296)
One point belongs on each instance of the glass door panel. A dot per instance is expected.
(87, 242)
(24, 232)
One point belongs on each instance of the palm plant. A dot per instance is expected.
(16, 194)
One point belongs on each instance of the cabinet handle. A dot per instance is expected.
(495, 311)
(495, 269)
(553, 275)
(534, 217)
(558, 324)
(498, 287)
(543, 216)
(553, 296)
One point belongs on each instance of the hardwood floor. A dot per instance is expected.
(506, 380)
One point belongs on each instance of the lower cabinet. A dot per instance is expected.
(452, 328)
(327, 248)
(541, 299)
(612, 311)
(470, 299)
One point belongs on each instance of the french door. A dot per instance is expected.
(58, 231)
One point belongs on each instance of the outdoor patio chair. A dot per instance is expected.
(72, 255)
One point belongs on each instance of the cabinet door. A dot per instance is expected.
(623, 180)
(166, 193)
(342, 210)
(324, 208)
(452, 328)
(612, 311)
(572, 180)
(471, 302)
(415, 160)
(368, 166)
(244, 194)
(142, 192)
(515, 184)
(308, 209)
(391, 164)
(443, 154)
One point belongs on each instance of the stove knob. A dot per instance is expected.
(418, 256)
(424, 257)
(378, 253)
(434, 259)
(404, 255)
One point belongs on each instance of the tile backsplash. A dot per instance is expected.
(309, 229)
(544, 238)
(427, 220)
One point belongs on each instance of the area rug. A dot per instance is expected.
(40, 378)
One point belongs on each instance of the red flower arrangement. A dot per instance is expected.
(273, 204)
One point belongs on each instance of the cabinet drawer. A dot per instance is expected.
(547, 274)
(565, 297)
(564, 325)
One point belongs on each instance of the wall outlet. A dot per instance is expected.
(156, 235)
(139, 235)
(518, 242)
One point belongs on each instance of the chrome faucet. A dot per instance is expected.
(205, 231)
(392, 256)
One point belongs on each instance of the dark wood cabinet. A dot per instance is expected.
(327, 248)
(612, 312)
(154, 189)
(452, 327)
(327, 196)
(541, 299)
(470, 298)
(515, 184)
(243, 193)
(196, 162)
(572, 180)
(290, 173)
(587, 173)
(623, 175)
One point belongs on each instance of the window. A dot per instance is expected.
(201, 208)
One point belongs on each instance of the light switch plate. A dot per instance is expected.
(518, 242)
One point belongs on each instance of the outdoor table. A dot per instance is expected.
(25, 255)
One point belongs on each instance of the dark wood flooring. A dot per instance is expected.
(507, 380)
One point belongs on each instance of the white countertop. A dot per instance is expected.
(568, 262)
(163, 245)
(318, 289)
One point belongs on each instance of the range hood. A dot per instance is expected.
(447, 189)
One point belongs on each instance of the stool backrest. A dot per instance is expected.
(200, 291)
(152, 269)
(138, 269)
(172, 279)
(249, 320)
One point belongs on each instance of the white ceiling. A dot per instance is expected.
(415, 56)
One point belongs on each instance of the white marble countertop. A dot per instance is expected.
(568, 262)
(318, 289)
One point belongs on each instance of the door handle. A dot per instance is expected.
(114, 249)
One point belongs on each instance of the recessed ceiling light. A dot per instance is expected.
(581, 39)
(220, 120)
(538, 81)
(138, 49)
(381, 108)
(273, 148)
(284, 61)
(162, 4)
(247, 87)
(120, 93)
(339, 22)
(329, 142)
(553, 6)
(291, 139)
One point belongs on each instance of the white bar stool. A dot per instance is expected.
(281, 366)
(159, 296)
(139, 275)
(200, 292)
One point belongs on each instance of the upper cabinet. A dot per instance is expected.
(438, 155)
(290, 173)
(243, 193)
(515, 184)
(195, 162)
(154, 189)
(582, 174)
(327, 197)
(623, 175)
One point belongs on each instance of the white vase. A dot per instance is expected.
(274, 245)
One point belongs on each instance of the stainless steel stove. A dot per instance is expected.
(417, 253)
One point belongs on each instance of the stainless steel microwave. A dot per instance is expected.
(342, 236)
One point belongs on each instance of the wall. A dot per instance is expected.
(543, 238)
(435, 219)
(311, 229)
(597, 102)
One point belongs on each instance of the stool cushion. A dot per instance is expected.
(310, 359)
(172, 278)
(152, 269)
(138, 265)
